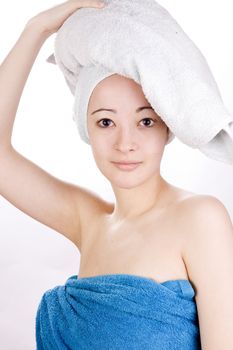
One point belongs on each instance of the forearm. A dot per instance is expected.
(14, 72)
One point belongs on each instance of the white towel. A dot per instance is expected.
(141, 40)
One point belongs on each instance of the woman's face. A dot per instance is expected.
(129, 133)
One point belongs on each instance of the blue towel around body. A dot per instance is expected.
(117, 312)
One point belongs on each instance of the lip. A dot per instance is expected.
(127, 166)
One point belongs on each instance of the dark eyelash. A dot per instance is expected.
(104, 127)
(101, 121)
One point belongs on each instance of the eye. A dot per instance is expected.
(105, 119)
(147, 119)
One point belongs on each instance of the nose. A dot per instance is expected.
(125, 140)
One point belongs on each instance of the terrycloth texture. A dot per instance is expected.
(141, 40)
(88, 78)
(118, 312)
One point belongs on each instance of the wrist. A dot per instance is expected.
(34, 26)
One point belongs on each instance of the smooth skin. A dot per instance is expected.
(125, 133)
(204, 224)
(55, 203)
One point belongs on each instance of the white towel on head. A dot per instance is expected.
(142, 41)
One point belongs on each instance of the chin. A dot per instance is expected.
(127, 180)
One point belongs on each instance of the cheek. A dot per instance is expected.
(155, 142)
(154, 147)
(100, 139)
(100, 150)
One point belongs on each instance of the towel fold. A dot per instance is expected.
(142, 41)
(117, 312)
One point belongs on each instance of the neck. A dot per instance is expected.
(133, 202)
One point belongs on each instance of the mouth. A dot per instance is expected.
(126, 165)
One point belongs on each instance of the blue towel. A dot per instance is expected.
(116, 312)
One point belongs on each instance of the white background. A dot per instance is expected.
(33, 257)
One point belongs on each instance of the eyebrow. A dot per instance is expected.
(139, 109)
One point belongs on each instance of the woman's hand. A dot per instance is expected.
(51, 20)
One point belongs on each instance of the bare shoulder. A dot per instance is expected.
(90, 207)
(91, 204)
(199, 206)
(199, 210)
(204, 219)
(208, 256)
(195, 214)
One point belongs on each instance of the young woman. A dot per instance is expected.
(154, 230)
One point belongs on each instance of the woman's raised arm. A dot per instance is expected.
(47, 199)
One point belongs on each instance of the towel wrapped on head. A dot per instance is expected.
(118, 312)
(142, 41)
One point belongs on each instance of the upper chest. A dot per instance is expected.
(150, 247)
